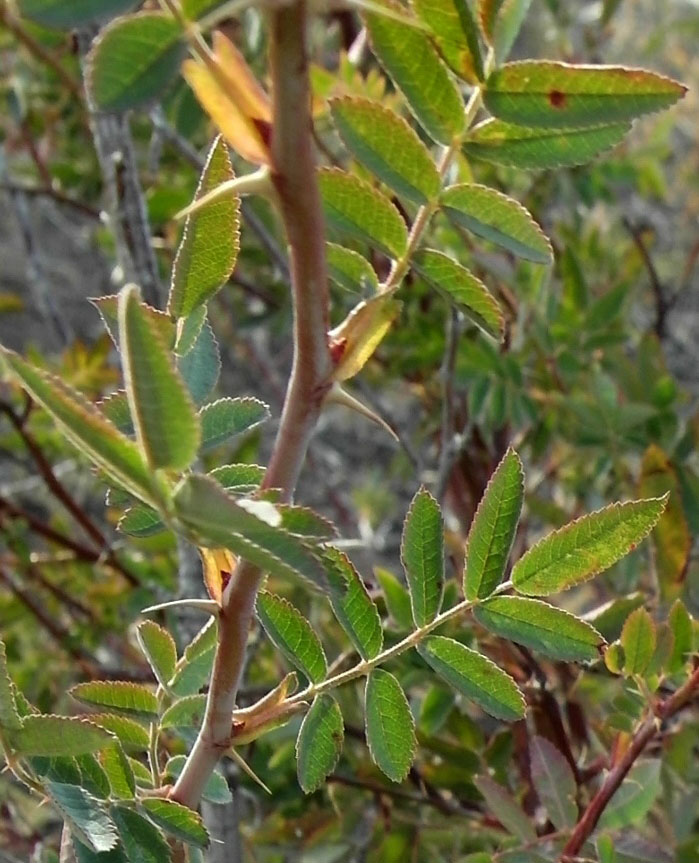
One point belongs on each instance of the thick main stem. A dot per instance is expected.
(294, 178)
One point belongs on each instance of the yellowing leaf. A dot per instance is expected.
(242, 85)
(218, 564)
(358, 336)
(237, 128)
(671, 538)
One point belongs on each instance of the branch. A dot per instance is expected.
(643, 736)
(294, 177)
(128, 215)
(662, 306)
(61, 493)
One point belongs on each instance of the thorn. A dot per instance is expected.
(206, 605)
(339, 396)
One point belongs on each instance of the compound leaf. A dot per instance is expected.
(638, 641)
(554, 782)
(291, 633)
(464, 289)
(58, 735)
(167, 427)
(205, 508)
(410, 59)
(540, 626)
(493, 528)
(159, 649)
(586, 547)
(355, 209)
(538, 149)
(552, 95)
(505, 808)
(390, 728)
(86, 428)
(88, 819)
(319, 743)
(352, 604)
(227, 417)
(209, 248)
(129, 699)
(179, 821)
(422, 554)
(499, 219)
(456, 34)
(133, 60)
(474, 676)
(388, 147)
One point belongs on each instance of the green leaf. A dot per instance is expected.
(540, 626)
(216, 789)
(464, 289)
(349, 270)
(638, 640)
(223, 419)
(108, 309)
(132, 736)
(388, 147)
(501, 220)
(118, 769)
(547, 94)
(209, 248)
(456, 34)
(142, 841)
(187, 712)
(194, 9)
(87, 818)
(9, 717)
(141, 520)
(352, 605)
(585, 547)
(474, 676)
(412, 62)
(319, 743)
(680, 623)
(302, 521)
(554, 782)
(239, 478)
(493, 528)
(609, 618)
(58, 735)
(116, 408)
(292, 634)
(506, 24)
(67, 14)
(158, 647)
(201, 366)
(397, 598)
(83, 854)
(355, 209)
(205, 508)
(390, 728)
(134, 60)
(167, 427)
(129, 699)
(422, 555)
(177, 820)
(634, 798)
(536, 149)
(435, 709)
(86, 428)
(506, 809)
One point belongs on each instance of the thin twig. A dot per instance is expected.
(659, 290)
(451, 346)
(61, 493)
(646, 732)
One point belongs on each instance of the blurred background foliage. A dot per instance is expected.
(596, 386)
